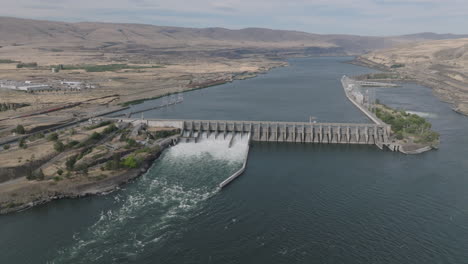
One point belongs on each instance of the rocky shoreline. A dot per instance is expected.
(102, 187)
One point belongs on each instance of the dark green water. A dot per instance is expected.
(294, 204)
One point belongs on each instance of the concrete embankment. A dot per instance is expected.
(370, 115)
(240, 171)
(416, 151)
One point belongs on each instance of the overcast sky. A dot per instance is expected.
(364, 17)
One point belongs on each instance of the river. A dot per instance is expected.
(295, 203)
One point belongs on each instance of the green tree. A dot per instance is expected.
(58, 146)
(130, 162)
(70, 162)
(22, 144)
(19, 130)
(52, 136)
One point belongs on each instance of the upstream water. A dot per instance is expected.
(295, 203)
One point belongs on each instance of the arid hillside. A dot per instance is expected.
(49, 36)
(441, 64)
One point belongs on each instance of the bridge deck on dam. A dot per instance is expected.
(303, 132)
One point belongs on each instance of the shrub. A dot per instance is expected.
(398, 65)
(60, 171)
(19, 130)
(90, 140)
(22, 144)
(166, 133)
(131, 143)
(113, 164)
(130, 162)
(26, 65)
(84, 153)
(101, 124)
(52, 136)
(111, 128)
(7, 61)
(399, 135)
(58, 146)
(36, 136)
(143, 150)
(72, 143)
(5, 147)
(95, 136)
(83, 168)
(70, 163)
(35, 175)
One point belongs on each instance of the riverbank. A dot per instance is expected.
(443, 88)
(410, 132)
(206, 83)
(119, 155)
(407, 133)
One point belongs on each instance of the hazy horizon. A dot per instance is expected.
(361, 17)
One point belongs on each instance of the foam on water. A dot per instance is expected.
(158, 205)
(216, 147)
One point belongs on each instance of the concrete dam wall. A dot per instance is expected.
(294, 131)
(300, 132)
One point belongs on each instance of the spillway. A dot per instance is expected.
(157, 205)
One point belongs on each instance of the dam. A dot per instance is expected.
(266, 131)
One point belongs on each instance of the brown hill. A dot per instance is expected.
(441, 64)
(15, 31)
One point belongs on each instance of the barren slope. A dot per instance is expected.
(441, 64)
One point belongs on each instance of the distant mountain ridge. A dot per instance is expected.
(16, 31)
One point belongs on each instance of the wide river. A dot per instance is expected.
(295, 203)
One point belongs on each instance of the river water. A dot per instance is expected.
(295, 203)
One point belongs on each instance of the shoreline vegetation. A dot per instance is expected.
(411, 131)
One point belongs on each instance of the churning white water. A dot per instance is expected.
(159, 203)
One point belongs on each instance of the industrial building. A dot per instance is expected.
(29, 86)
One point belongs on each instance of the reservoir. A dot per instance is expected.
(295, 203)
